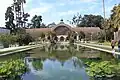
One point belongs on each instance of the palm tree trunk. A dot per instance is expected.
(104, 18)
(104, 8)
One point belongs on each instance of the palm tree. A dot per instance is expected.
(104, 8)
(104, 18)
(19, 11)
(9, 17)
(116, 16)
(52, 37)
(36, 21)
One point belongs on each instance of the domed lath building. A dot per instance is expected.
(62, 29)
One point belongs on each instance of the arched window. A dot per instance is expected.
(61, 38)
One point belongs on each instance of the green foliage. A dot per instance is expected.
(16, 13)
(103, 69)
(91, 20)
(101, 36)
(71, 40)
(7, 39)
(42, 35)
(12, 68)
(37, 64)
(9, 17)
(87, 20)
(52, 37)
(21, 16)
(36, 21)
(71, 36)
(76, 19)
(24, 39)
(81, 35)
(115, 16)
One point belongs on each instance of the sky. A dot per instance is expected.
(55, 10)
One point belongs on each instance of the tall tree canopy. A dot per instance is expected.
(16, 13)
(21, 16)
(115, 16)
(87, 20)
(36, 21)
(9, 17)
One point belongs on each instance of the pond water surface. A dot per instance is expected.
(58, 62)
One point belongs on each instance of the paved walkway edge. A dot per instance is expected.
(20, 50)
(100, 49)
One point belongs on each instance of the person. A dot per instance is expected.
(113, 42)
(119, 45)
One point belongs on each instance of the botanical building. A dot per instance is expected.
(62, 30)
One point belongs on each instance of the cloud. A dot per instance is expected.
(73, 2)
(88, 0)
(62, 4)
(70, 12)
(54, 10)
(39, 11)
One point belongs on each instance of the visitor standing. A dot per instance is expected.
(113, 44)
(119, 45)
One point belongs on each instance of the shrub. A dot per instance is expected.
(24, 39)
(103, 69)
(12, 69)
(7, 39)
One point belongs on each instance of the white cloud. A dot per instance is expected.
(39, 11)
(70, 12)
(73, 2)
(3, 7)
(88, 0)
(62, 4)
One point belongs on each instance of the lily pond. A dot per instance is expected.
(60, 62)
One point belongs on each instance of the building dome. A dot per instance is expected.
(62, 28)
(61, 21)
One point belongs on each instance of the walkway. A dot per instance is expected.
(99, 47)
(7, 51)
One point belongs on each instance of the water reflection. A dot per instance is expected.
(53, 69)
(59, 62)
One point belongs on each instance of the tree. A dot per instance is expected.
(43, 25)
(36, 21)
(52, 37)
(21, 16)
(7, 39)
(51, 24)
(91, 21)
(9, 17)
(81, 35)
(87, 20)
(42, 35)
(76, 19)
(16, 13)
(115, 16)
(24, 39)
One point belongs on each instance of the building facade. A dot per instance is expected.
(62, 30)
(4, 31)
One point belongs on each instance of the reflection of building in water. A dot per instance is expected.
(62, 31)
(62, 47)
(63, 53)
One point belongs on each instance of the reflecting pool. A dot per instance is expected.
(58, 62)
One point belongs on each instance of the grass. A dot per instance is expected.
(107, 43)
